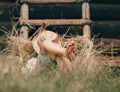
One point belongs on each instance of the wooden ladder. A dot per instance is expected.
(24, 17)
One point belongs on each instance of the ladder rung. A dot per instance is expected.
(53, 1)
(59, 22)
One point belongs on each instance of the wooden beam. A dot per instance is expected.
(52, 1)
(59, 22)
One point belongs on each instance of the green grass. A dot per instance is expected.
(58, 81)
(55, 80)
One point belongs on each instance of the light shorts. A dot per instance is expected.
(42, 59)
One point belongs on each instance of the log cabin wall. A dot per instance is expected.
(104, 13)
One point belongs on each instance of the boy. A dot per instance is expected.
(47, 42)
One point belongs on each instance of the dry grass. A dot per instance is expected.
(87, 69)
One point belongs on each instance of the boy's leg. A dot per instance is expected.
(56, 49)
(53, 48)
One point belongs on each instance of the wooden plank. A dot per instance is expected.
(52, 1)
(59, 22)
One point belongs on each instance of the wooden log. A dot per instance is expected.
(85, 11)
(106, 29)
(105, 12)
(24, 15)
(7, 1)
(52, 1)
(105, 1)
(97, 11)
(59, 22)
(112, 27)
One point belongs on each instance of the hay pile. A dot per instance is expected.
(88, 60)
(86, 67)
(18, 51)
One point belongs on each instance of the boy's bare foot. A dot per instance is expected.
(69, 50)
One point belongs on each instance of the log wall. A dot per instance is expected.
(104, 13)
